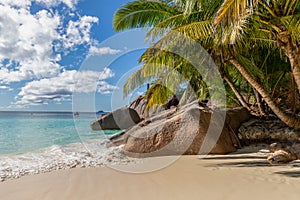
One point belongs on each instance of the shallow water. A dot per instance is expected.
(28, 131)
(36, 142)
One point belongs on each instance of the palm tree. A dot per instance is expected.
(194, 19)
(161, 16)
(272, 20)
(167, 72)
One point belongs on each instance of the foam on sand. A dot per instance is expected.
(56, 157)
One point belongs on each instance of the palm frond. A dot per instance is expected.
(164, 26)
(292, 24)
(157, 95)
(143, 13)
(234, 31)
(231, 11)
(188, 6)
(147, 73)
(251, 67)
(175, 22)
(290, 7)
(197, 30)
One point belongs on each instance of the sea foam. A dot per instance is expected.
(92, 154)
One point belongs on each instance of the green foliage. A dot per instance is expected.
(248, 30)
(157, 95)
(142, 13)
(265, 20)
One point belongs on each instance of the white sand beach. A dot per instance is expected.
(230, 177)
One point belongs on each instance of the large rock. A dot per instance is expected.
(119, 119)
(284, 152)
(184, 132)
(139, 105)
(173, 101)
(266, 131)
(281, 157)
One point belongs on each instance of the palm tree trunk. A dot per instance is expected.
(259, 103)
(236, 92)
(293, 53)
(291, 121)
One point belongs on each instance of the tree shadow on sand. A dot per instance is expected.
(252, 163)
(258, 162)
(245, 161)
(291, 174)
(234, 157)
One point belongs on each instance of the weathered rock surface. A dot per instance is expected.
(281, 157)
(119, 119)
(139, 104)
(173, 101)
(284, 152)
(284, 141)
(266, 131)
(184, 131)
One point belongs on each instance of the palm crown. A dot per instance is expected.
(231, 31)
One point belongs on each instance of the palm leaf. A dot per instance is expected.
(197, 30)
(251, 67)
(292, 24)
(147, 73)
(232, 10)
(143, 13)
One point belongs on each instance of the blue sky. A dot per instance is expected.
(64, 55)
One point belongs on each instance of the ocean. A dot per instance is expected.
(35, 142)
(29, 131)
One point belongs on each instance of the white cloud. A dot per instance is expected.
(29, 40)
(47, 3)
(32, 46)
(4, 87)
(23, 3)
(105, 88)
(27, 44)
(103, 51)
(78, 32)
(53, 3)
(60, 88)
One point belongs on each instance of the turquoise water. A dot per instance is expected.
(29, 131)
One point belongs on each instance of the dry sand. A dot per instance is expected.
(242, 177)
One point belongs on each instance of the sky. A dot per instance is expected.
(63, 55)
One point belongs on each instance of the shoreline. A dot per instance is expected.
(87, 155)
(229, 177)
(92, 153)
